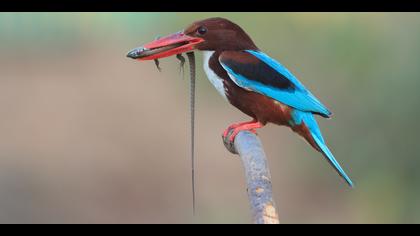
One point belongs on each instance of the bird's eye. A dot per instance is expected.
(202, 30)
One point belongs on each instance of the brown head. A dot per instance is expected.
(219, 34)
(213, 34)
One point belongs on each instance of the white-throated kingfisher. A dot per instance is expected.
(248, 79)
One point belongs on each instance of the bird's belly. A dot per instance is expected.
(213, 78)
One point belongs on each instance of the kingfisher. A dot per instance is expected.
(250, 80)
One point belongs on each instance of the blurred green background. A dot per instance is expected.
(90, 136)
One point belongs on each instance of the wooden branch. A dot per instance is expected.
(248, 146)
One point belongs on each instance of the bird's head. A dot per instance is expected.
(213, 34)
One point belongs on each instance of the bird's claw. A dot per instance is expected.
(229, 136)
(229, 144)
(230, 133)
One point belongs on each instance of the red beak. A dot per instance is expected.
(166, 46)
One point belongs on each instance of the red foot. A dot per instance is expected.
(250, 126)
(234, 126)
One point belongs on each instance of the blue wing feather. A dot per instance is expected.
(298, 97)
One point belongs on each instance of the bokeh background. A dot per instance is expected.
(90, 136)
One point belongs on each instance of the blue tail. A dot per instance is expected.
(310, 122)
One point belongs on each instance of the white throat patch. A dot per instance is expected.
(213, 78)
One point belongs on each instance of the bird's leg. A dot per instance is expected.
(249, 126)
(233, 126)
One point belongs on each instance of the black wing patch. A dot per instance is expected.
(253, 68)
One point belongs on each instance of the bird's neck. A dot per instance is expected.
(214, 71)
(211, 60)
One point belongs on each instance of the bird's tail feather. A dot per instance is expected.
(330, 157)
(315, 132)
